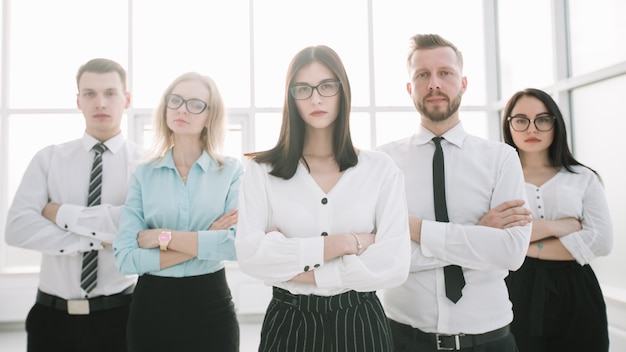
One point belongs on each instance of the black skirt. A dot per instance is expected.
(557, 306)
(183, 314)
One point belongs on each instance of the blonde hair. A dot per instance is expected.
(214, 131)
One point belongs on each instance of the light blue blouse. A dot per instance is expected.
(158, 198)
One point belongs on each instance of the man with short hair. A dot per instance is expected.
(468, 222)
(67, 207)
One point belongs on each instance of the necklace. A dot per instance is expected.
(183, 172)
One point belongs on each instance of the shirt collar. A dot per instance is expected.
(455, 135)
(113, 144)
(204, 161)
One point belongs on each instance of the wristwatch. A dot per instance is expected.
(164, 239)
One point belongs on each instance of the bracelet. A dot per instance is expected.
(539, 245)
(359, 246)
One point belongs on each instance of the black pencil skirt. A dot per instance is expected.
(183, 314)
(351, 321)
(557, 306)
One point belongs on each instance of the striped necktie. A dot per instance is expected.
(453, 274)
(89, 274)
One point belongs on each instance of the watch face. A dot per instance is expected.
(164, 236)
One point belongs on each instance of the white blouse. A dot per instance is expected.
(368, 198)
(579, 195)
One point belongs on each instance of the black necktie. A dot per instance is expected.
(89, 274)
(453, 274)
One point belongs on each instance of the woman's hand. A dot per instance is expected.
(567, 226)
(225, 221)
(149, 238)
(306, 277)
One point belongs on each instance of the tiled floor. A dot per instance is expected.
(13, 337)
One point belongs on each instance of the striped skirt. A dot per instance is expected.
(351, 321)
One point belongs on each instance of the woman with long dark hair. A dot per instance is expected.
(557, 301)
(322, 222)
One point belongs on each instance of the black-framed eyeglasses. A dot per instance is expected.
(194, 106)
(543, 123)
(325, 89)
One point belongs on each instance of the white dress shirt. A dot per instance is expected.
(578, 195)
(60, 174)
(368, 198)
(479, 175)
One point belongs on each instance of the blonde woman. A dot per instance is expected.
(178, 226)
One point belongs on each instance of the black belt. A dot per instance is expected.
(85, 306)
(446, 342)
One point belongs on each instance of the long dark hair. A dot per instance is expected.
(559, 153)
(285, 156)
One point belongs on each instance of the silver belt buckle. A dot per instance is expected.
(78, 307)
(457, 343)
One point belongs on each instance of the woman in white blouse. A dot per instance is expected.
(322, 222)
(557, 301)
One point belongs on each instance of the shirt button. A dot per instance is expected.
(90, 244)
(93, 233)
(65, 226)
(306, 268)
(316, 266)
(539, 206)
(324, 200)
(324, 233)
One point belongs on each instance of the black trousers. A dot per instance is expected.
(352, 321)
(557, 306)
(183, 314)
(52, 330)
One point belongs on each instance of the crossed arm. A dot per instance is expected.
(336, 246)
(508, 214)
(545, 235)
(184, 244)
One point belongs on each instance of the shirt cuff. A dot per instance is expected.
(217, 244)
(433, 239)
(67, 216)
(330, 277)
(87, 244)
(311, 253)
(578, 250)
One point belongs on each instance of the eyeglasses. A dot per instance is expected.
(194, 106)
(325, 89)
(543, 123)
